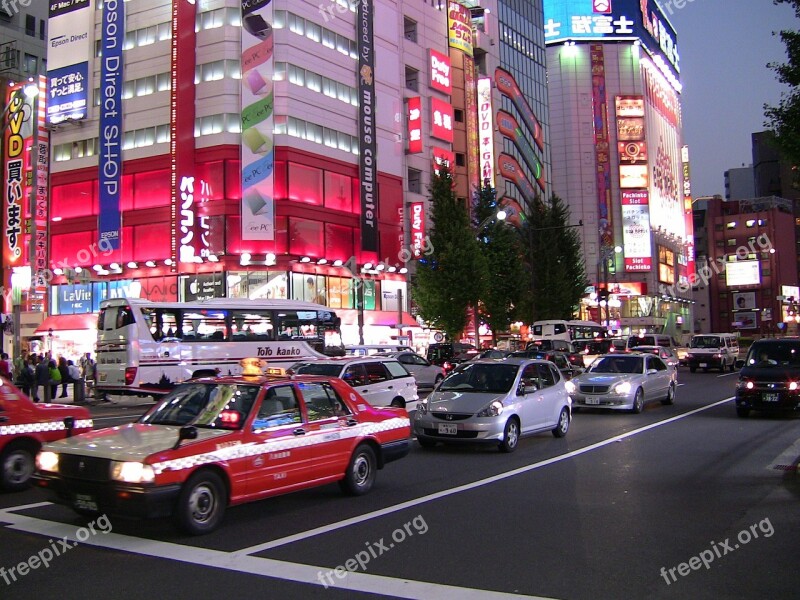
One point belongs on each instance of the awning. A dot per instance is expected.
(67, 323)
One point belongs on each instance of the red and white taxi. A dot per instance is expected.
(214, 442)
(25, 426)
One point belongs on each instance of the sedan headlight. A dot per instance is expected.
(570, 387)
(47, 461)
(493, 410)
(132, 472)
(623, 388)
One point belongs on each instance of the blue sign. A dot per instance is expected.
(587, 20)
(74, 299)
(66, 88)
(111, 133)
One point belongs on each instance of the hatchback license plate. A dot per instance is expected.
(447, 429)
(85, 502)
(769, 397)
(593, 401)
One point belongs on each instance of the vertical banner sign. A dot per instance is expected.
(41, 180)
(185, 218)
(471, 115)
(367, 131)
(636, 231)
(601, 148)
(691, 271)
(508, 126)
(414, 125)
(417, 228)
(258, 155)
(17, 133)
(70, 45)
(439, 72)
(459, 27)
(486, 130)
(110, 162)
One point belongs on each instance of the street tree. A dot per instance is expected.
(784, 119)
(452, 276)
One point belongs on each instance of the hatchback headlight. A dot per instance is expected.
(422, 408)
(623, 388)
(493, 410)
(570, 387)
(132, 472)
(47, 461)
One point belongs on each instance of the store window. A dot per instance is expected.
(338, 192)
(305, 184)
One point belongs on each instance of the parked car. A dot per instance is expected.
(491, 401)
(449, 354)
(769, 380)
(547, 345)
(381, 380)
(559, 359)
(665, 354)
(426, 374)
(216, 442)
(713, 351)
(26, 425)
(624, 382)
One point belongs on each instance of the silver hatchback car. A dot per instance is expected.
(495, 401)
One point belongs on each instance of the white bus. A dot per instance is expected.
(145, 348)
(571, 331)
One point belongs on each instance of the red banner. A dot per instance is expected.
(414, 117)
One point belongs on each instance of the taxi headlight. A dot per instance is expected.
(132, 472)
(47, 461)
(493, 410)
(570, 387)
(623, 388)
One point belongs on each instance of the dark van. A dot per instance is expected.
(449, 354)
(770, 377)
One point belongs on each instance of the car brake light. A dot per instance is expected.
(130, 375)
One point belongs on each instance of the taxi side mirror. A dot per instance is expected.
(188, 432)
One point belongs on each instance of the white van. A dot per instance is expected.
(713, 351)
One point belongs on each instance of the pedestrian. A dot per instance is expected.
(26, 378)
(20, 361)
(5, 366)
(42, 378)
(55, 378)
(87, 366)
(63, 368)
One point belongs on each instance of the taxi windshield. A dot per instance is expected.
(211, 405)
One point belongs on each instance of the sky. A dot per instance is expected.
(724, 47)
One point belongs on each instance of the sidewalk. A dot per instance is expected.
(115, 400)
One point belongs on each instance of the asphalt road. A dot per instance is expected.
(613, 510)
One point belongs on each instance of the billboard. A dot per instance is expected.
(18, 127)
(70, 46)
(367, 128)
(417, 228)
(439, 72)
(742, 272)
(459, 27)
(613, 20)
(636, 243)
(744, 301)
(441, 120)
(486, 130)
(414, 117)
(258, 158)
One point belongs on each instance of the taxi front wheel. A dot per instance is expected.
(17, 465)
(360, 474)
(201, 504)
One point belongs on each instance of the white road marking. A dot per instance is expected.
(466, 487)
(787, 457)
(727, 374)
(266, 567)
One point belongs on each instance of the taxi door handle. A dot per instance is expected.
(299, 431)
(391, 387)
(351, 422)
(166, 353)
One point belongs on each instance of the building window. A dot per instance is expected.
(412, 79)
(461, 159)
(750, 222)
(458, 115)
(410, 29)
(730, 225)
(30, 25)
(762, 222)
(42, 34)
(766, 272)
(30, 63)
(731, 242)
(718, 227)
(415, 181)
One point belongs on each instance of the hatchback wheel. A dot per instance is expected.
(510, 436)
(638, 402)
(561, 428)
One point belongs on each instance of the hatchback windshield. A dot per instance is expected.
(786, 354)
(705, 341)
(327, 369)
(617, 364)
(489, 378)
(213, 405)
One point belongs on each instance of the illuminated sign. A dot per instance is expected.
(636, 231)
(629, 106)
(486, 130)
(625, 288)
(439, 72)
(367, 126)
(459, 27)
(508, 126)
(42, 191)
(443, 157)
(744, 300)
(417, 228)
(602, 162)
(632, 176)
(441, 120)
(414, 116)
(507, 86)
(508, 167)
(471, 117)
(70, 45)
(742, 272)
(691, 267)
(622, 20)
(631, 153)
(666, 265)
(18, 130)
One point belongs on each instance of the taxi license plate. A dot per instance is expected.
(769, 397)
(447, 429)
(592, 400)
(85, 502)
(703, 365)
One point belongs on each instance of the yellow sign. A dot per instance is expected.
(459, 27)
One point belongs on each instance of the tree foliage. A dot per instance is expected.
(451, 277)
(784, 119)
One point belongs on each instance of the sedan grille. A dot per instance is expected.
(87, 468)
(445, 416)
(594, 389)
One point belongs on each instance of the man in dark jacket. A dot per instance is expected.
(42, 375)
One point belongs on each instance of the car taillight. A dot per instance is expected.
(447, 366)
(130, 375)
